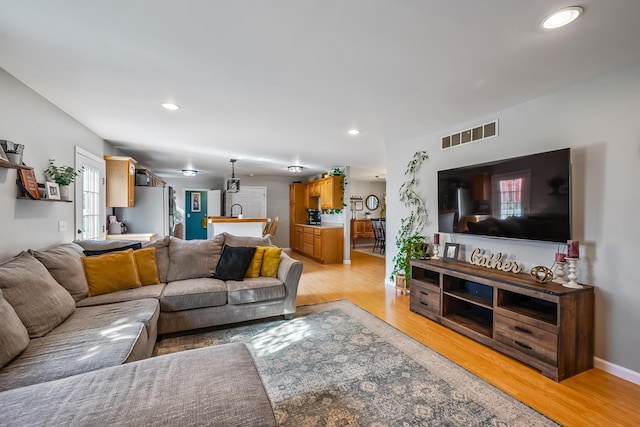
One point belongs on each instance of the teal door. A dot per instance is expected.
(196, 214)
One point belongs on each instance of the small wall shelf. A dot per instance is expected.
(43, 200)
(8, 165)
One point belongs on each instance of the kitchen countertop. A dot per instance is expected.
(232, 219)
(143, 237)
(327, 225)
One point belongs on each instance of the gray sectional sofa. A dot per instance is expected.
(64, 355)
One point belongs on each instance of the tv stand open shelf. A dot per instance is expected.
(546, 326)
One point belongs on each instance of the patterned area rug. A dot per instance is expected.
(335, 364)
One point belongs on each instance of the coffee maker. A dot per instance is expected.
(313, 216)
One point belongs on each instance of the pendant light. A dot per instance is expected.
(233, 184)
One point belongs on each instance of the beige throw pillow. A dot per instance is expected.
(14, 337)
(40, 302)
(64, 264)
(193, 259)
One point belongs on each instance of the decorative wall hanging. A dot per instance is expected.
(495, 261)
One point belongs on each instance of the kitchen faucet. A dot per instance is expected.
(232, 206)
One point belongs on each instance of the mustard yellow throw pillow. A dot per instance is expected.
(270, 261)
(147, 267)
(256, 262)
(111, 272)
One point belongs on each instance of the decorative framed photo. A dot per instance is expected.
(451, 251)
(53, 190)
(28, 183)
(358, 205)
(196, 206)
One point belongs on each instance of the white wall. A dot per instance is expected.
(47, 133)
(599, 121)
(277, 202)
(365, 189)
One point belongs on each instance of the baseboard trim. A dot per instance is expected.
(346, 261)
(617, 370)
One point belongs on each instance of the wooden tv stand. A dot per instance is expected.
(546, 326)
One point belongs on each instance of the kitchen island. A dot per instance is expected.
(236, 226)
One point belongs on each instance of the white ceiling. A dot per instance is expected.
(279, 82)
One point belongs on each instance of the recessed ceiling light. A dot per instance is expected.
(189, 172)
(171, 106)
(353, 131)
(562, 17)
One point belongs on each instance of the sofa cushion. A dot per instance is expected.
(92, 338)
(96, 245)
(40, 302)
(65, 265)
(270, 262)
(192, 259)
(254, 290)
(111, 272)
(143, 292)
(234, 262)
(134, 246)
(256, 262)
(146, 266)
(216, 385)
(232, 240)
(193, 293)
(162, 256)
(14, 337)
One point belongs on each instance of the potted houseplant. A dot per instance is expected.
(61, 175)
(409, 240)
(13, 156)
(13, 151)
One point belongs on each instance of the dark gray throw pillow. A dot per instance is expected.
(234, 262)
(134, 246)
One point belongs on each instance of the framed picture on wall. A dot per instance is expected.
(196, 205)
(358, 205)
(53, 190)
(451, 251)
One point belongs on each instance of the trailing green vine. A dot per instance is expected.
(409, 240)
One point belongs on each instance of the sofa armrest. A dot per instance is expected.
(289, 273)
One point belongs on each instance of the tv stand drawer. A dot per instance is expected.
(425, 298)
(534, 341)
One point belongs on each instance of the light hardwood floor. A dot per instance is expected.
(592, 398)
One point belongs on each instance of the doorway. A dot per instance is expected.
(195, 210)
(90, 215)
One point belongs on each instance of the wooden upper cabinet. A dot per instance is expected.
(121, 181)
(314, 189)
(331, 193)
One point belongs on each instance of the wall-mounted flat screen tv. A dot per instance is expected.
(526, 197)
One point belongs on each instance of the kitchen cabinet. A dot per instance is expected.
(120, 181)
(331, 193)
(324, 244)
(314, 189)
(297, 209)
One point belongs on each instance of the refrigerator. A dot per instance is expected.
(154, 211)
(215, 203)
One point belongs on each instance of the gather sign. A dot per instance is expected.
(495, 261)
